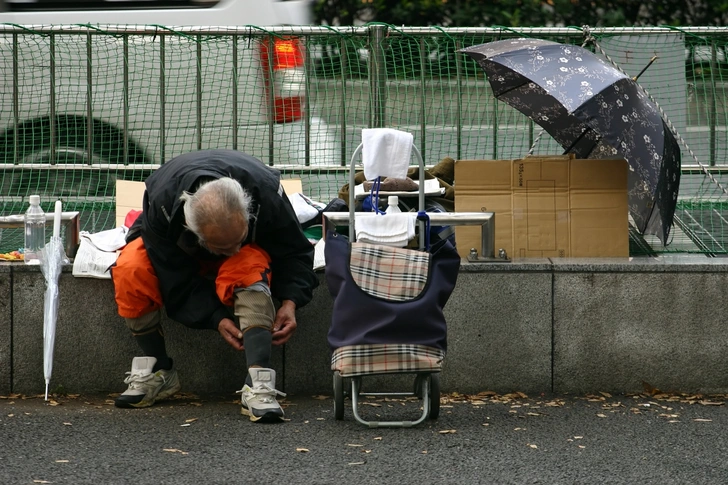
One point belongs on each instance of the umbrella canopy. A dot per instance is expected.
(593, 110)
(53, 257)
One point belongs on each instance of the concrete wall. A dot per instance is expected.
(5, 329)
(537, 326)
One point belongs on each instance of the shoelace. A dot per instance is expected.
(264, 393)
(135, 379)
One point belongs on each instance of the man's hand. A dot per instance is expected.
(285, 322)
(231, 333)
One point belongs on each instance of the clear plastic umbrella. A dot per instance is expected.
(52, 261)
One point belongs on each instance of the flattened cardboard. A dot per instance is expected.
(129, 195)
(546, 206)
(292, 186)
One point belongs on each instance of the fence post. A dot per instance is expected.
(89, 99)
(16, 101)
(377, 76)
(713, 101)
(52, 98)
(344, 64)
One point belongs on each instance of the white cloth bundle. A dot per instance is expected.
(386, 152)
(390, 230)
(305, 208)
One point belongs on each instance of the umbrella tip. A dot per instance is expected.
(46, 390)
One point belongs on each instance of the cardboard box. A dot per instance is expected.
(546, 206)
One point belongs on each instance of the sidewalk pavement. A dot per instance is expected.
(486, 438)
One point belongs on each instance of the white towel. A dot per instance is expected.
(304, 207)
(390, 230)
(385, 152)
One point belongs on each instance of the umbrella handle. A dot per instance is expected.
(654, 58)
(57, 219)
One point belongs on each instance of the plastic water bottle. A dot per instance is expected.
(393, 205)
(35, 221)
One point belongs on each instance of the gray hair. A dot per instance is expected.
(213, 203)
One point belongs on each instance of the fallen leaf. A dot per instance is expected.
(605, 394)
(10, 415)
(61, 461)
(41, 481)
(175, 450)
(53, 403)
(191, 420)
(711, 403)
(378, 438)
(448, 431)
(320, 419)
(578, 437)
(198, 404)
(321, 397)
(366, 451)
(650, 389)
(582, 446)
(357, 463)
(371, 404)
(185, 425)
(532, 446)
(424, 452)
(353, 444)
(702, 420)
(302, 450)
(67, 424)
(600, 415)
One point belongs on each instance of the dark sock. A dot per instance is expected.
(152, 345)
(257, 343)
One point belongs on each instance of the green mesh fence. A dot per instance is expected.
(84, 106)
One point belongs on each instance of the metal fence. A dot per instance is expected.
(83, 106)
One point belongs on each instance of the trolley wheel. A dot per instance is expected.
(338, 396)
(434, 396)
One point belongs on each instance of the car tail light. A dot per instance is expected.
(287, 79)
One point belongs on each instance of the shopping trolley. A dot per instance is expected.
(388, 310)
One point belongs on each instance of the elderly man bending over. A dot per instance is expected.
(218, 239)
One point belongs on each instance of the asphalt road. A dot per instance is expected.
(663, 439)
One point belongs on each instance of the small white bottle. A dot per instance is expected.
(393, 205)
(35, 221)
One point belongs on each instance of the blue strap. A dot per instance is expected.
(423, 216)
(374, 195)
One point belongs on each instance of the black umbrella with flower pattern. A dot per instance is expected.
(593, 110)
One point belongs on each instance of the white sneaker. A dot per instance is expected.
(147, 387)
(259, 402)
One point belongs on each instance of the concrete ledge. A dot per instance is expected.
(535, 326)
(94, 348)
(617, 325)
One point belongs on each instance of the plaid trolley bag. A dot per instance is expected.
(388, 312)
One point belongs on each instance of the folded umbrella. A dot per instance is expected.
(52, 260)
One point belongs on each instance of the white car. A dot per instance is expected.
(178, 76)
